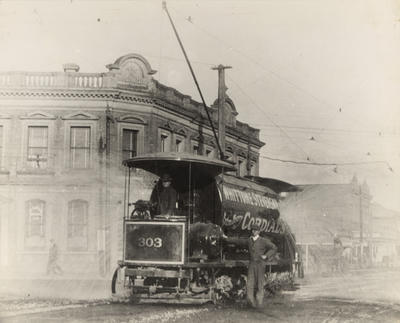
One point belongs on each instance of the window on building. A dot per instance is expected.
(1, 145)
(195, 149)
(165, 142)
(80, 147)
(129, 143)
(253, 169)
(37, 146)
(179, 145)
(240, 167)
(78, 225)
(209, 152)
(35, 219)
(229, 158)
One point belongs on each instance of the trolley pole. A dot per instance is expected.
(221, 106)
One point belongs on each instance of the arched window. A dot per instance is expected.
(78, 225)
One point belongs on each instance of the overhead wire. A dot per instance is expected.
(328, 164)
(298, 128)
(269, 118)
(256, 62)
(325, 103)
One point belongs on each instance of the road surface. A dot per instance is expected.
(360, 296)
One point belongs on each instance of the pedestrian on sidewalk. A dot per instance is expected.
(52, 266)
(260, 249)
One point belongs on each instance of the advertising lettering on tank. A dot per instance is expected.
(242, 209)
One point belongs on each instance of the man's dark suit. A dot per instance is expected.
(256, 272)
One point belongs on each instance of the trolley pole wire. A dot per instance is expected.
(221, 153)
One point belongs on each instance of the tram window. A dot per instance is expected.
(164, 196)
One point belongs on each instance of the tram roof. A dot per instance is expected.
(275, 184)
(159, 163)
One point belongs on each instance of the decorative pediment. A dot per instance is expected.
(181, 131)
(198, 138)
(210, 142)
(229, 149)
(167, 126)
(40, 115)
(229, 111)
(80, 116)
(231, 106)
(132, 119)
(132, 69)
(253, 158)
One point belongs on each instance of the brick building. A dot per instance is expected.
(63, 136)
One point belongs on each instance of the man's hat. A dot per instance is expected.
(166, 178)
(255, 227)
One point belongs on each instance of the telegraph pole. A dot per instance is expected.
(221, 107)
(361, 227)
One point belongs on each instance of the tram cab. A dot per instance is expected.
(194, 178)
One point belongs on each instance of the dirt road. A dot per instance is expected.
(361, 296)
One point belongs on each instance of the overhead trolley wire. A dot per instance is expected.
(256, 62)
(269, 118)
(325, 103)
(328, 164)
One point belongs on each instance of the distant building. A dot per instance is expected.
(320, 213)
(63, 136)
(385, 235)
(323, 216)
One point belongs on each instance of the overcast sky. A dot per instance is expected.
(323, 69)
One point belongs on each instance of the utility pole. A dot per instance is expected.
(361, 226)
(221, 107)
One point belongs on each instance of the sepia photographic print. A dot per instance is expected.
(199, 161)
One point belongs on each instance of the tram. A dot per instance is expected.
(189, 252)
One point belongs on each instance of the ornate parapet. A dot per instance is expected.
(129, 78)
(43, 80)
(128, 72)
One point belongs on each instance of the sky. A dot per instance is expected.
(301, 69)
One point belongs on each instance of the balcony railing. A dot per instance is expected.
(53, 80)
(92, 81)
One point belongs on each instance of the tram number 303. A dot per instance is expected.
(150, 242)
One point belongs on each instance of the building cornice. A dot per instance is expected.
(70, 94)
(129, 79)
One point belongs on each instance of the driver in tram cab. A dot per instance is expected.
(165, 196)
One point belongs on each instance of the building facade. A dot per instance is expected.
(320, 213)
(385, 236)
(63, 136)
